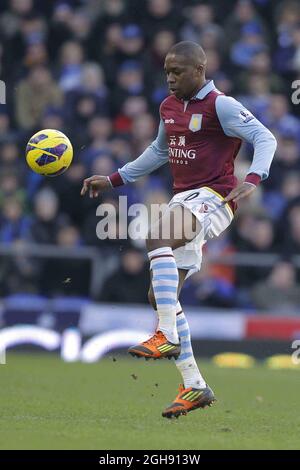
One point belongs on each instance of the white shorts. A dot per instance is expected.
(206, 205)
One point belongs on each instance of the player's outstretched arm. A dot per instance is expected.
(152, 158)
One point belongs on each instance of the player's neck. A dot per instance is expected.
(197, 89)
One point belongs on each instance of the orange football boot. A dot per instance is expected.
(156, 347)
(189, 399)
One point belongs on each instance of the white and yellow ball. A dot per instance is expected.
(49, 152)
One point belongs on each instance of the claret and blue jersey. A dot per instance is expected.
(200, 139)
(200, 153)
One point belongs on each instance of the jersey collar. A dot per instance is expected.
(203, 92)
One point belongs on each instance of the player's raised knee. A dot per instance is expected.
(155, 243)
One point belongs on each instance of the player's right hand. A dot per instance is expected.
(94, 185)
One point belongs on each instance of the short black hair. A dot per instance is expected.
(193, 51)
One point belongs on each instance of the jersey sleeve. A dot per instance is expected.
(237, 121)
(152, 158)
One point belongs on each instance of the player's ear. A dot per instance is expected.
(201, 68)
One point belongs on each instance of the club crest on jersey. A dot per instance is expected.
(195, 122)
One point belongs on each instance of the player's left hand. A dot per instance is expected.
(242, 190)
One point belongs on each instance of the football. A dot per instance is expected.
(49, 152)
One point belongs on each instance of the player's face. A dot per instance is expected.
(184, 79)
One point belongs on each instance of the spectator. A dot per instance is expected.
(287, 159)
(280, 119)
(71, 58)
(131, 44)
(19, 273)
(213, 63)
(280, 293)
(291, 236)
(68, 191)
(260, 67)
(287, 20)
(107, 29)
(10, 187)
(33, 95)
(258, 96)
(5, 131)
(120, 148)
(130, 282)
(244, 14)
(132, 107)
(296, 44)
(256, 234)
(59, 32)
(80, 24)
(206, 289)
(143, 129)
(108, 54)
(275, 202)
(46, 220)
(99, 133)
(10, 159)
(11, 18)
(53, 118)
(154, 65)
(200, 27)
(31, 31)
(130, 83)
(69, 276)
(88, 97)
(161, 14)
(14, 224)
(250, 44)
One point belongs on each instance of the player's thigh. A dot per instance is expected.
(175, 228)
(182, 275)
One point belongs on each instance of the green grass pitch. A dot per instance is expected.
(117, 404)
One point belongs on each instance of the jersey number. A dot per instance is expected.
(191, 196)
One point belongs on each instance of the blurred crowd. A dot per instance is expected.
(94, 69)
